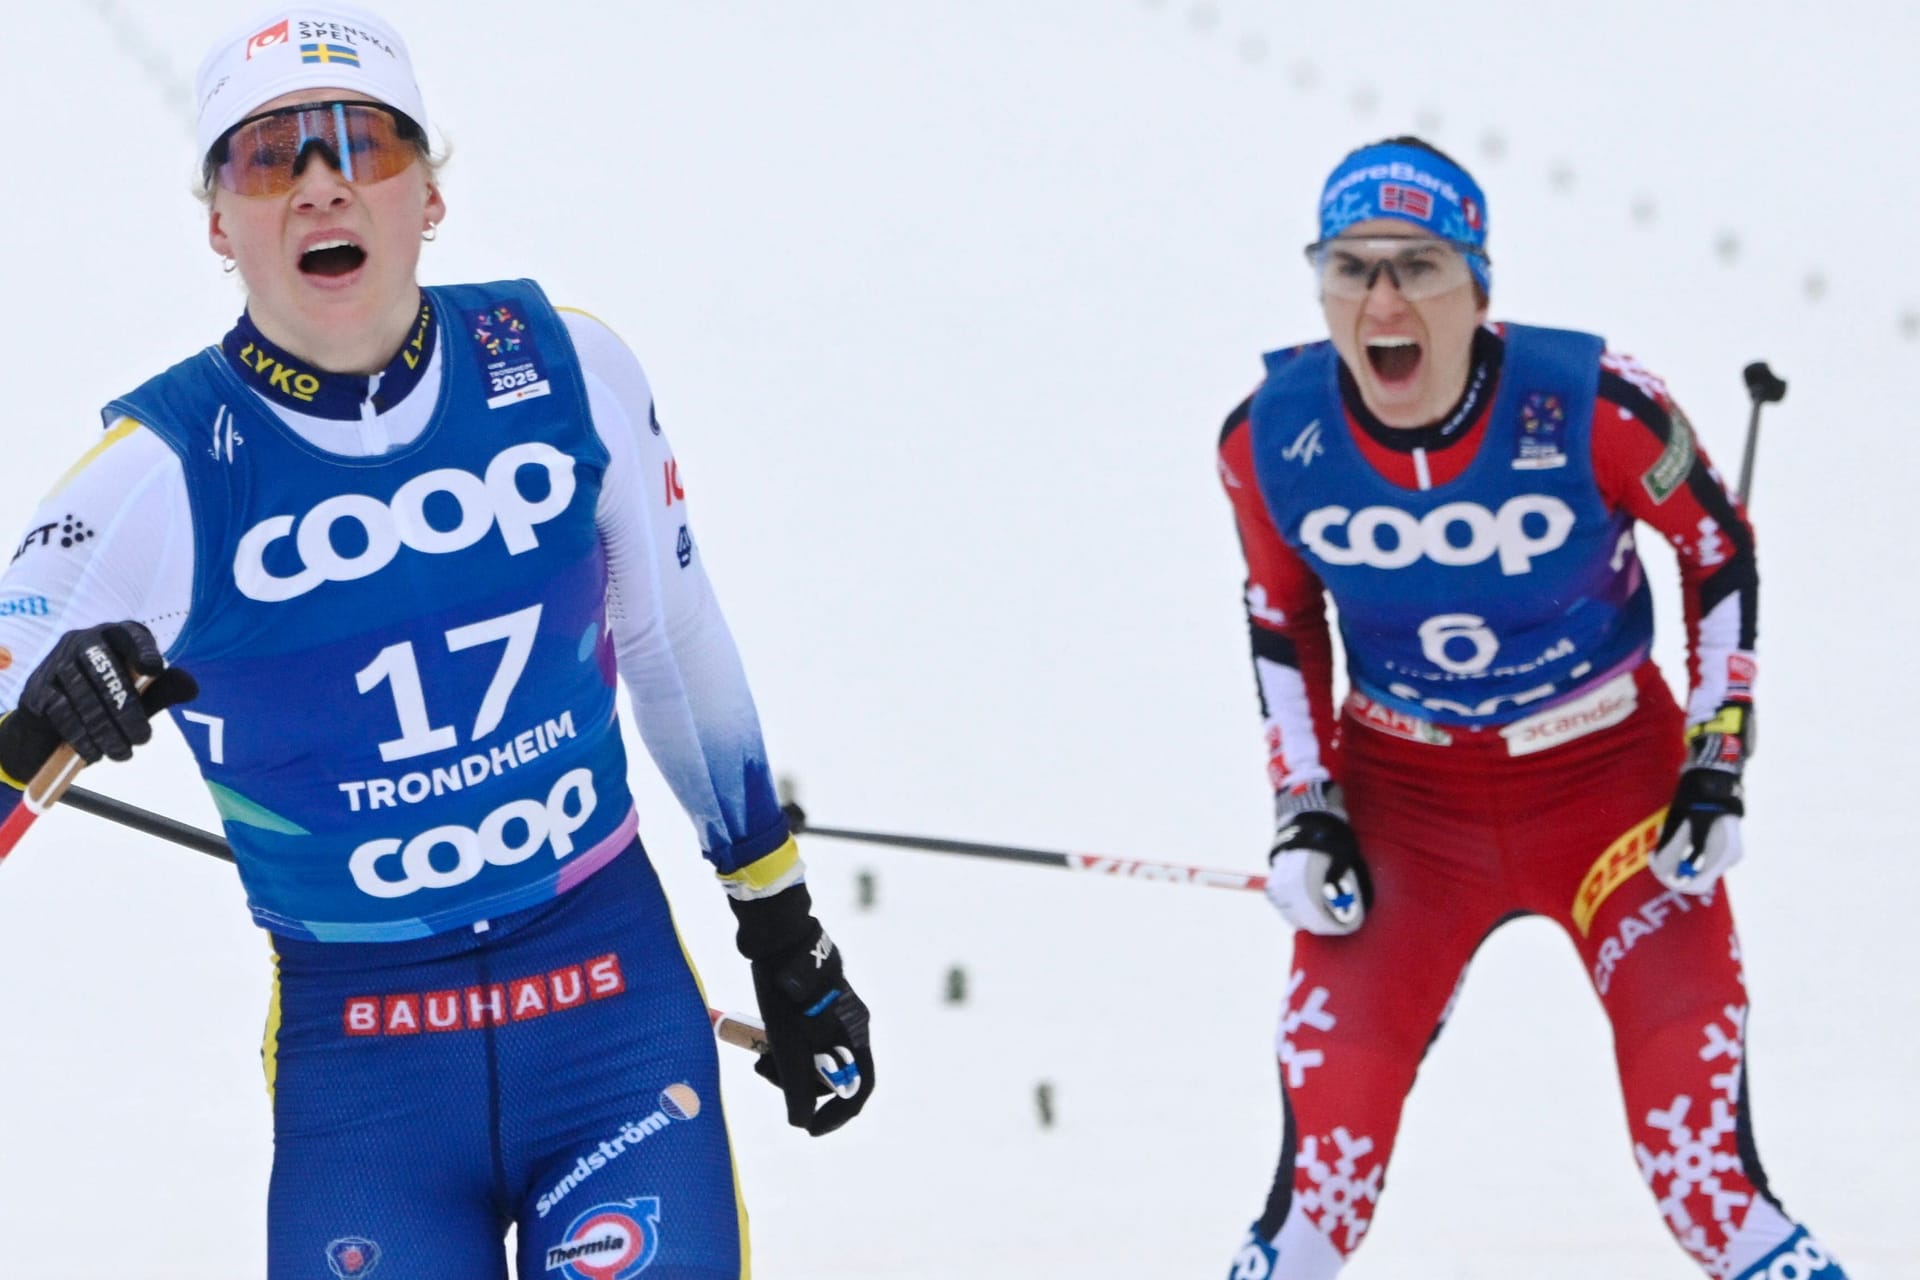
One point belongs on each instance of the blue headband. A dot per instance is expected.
(1392, 180)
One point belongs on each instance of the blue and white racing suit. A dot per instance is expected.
(406, 598)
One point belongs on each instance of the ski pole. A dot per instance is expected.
(42, 793)
(1097, 864)
(739, 1030)
(55, 779)
(46, 787)
(1763, 387)
(152, 824)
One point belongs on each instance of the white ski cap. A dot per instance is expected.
(317, 46)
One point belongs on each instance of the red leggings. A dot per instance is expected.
(1458, 838)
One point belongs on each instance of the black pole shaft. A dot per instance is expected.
(1746, 458)
(1764, 386)
(180, 833)
(143, 820)
(930, 844)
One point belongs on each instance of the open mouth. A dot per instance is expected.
(332, 258)
(1393, 359)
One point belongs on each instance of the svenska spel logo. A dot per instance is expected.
(609, 1241)
(273, 35)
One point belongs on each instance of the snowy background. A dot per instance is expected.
(944, 301)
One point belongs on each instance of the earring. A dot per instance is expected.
(227, 265)
(432, 232)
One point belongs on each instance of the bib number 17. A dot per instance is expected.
(397, 667)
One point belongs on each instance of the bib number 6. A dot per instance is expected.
(1443, 636)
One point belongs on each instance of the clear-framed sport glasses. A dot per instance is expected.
(1419, 266)
(264, 154)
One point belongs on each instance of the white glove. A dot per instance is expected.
(1315, 876)
(1701, 840)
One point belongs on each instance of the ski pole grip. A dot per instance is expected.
(739, 1030)
(61, 768)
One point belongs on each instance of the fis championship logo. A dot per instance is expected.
(351, 1257)
(609, 1242)
(1542, 439)
(511, 362)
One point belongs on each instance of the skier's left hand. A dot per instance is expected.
(1701, 838)
(816, 1024)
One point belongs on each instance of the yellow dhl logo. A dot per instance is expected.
(1623, 860)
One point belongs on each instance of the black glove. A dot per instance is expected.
(816, 1025)
(84, 691)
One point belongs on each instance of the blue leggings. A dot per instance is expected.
(555, 1070)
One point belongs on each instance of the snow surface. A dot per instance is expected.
(943, 302)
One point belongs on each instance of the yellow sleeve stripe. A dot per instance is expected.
(115, 434)
(14, 782)
(766, 875)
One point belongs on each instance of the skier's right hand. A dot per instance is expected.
(85, 692)
(1315, 875)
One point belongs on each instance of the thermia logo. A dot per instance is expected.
(609, 1242)
(483, 502)
(1525, 527)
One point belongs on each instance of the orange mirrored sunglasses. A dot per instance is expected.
(264, 155)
